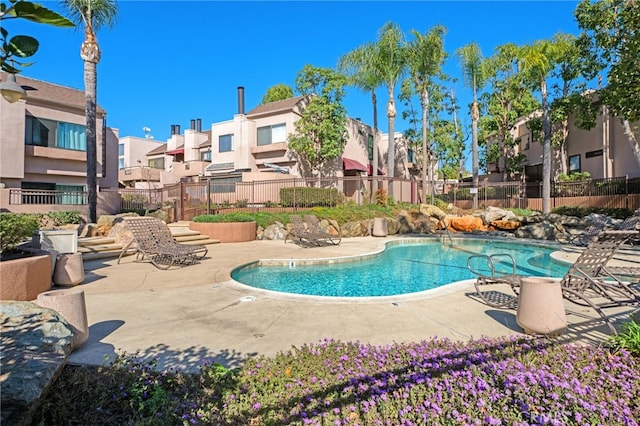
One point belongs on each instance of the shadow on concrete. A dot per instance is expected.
(93, 351)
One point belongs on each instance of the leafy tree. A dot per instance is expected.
(321, 132)
(278, 92)
(475, 77)
(508, 99)
(425, 56)
(389, 63)
(358, 67)
(537, 63)
(23, 46)
(93, 15)
(610, 43)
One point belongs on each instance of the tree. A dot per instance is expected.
(475, 77)
(93, 15)
(507, 101)
(425, 56)
(537, 61)
(358, 67)
(277, 93)
(610, 43)
(23, 46)
(321, 131)
(389, 65)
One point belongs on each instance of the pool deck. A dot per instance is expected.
(184, 316)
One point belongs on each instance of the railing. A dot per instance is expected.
(32, 196)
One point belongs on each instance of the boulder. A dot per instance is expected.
(120, 233)
(506, 225)
(537, 231)
(354, 229)
(432, 211)
(393, 226)
(275, 231)
(493, 214)
(466, 224)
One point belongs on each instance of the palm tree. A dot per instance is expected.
(93, 15)
(425, 56)
(357, 65)
(537, 62)
(474, 75)
(389, 64)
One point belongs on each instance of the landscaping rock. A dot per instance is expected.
(466, 224)
(393, 226)
(432, 211)
(35, 344)
(354, 229)
(506, 225)
(120, 233)
(275, 231)
(538, 231)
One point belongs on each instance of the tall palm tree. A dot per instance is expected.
(93, 15)
(474, 75)
(357, 65)
(389, 63)
(425, 56)
(537, 62)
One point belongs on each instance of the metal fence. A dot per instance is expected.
(184, 201)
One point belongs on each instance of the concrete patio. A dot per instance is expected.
(185, 316)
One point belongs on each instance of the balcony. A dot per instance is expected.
(271, 148)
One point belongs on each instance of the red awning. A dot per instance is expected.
(176, 151)
(349, 164)
(370, 171)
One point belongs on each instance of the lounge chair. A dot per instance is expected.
(318, 234)
(583, 239)
(155, 243)
(632, 223)
(589, 282)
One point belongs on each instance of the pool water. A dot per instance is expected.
(399, 269)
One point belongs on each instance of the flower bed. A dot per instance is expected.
(516, 381)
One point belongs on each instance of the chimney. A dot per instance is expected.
(193, 124)
(177, 129)
(173, 129)
(198, 125)
(240, 100)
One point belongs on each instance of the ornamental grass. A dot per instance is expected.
(508, 381)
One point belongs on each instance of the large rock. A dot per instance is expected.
(120, 233)
(432, 211)
(466, 224)
(354, 229)
(506, 225)
(538, 231)
(275, 231)
(35, 344)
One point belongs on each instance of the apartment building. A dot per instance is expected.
(253, 146)
(603, 151)
(43, 146)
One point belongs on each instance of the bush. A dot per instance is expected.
(618, 213)
(72, 217)
(628, 338)
(224, 217)
(309, 197)
(16, 228)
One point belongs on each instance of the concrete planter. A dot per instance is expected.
(71, 305)
(24, 279)
(541, 307)
(69, 270)
(226, 232)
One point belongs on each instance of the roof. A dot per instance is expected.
(272, 107)
(50, 92)
(158, 150)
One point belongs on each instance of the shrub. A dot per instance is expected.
(16, 228)
(628, 338)
(618, 213)
(224, 217)
(72, 217)
(309, 197)
(381, 197)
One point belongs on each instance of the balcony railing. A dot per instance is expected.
(37, 196)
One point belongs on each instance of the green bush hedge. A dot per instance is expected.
(16, 228)
(309, 197)
(224, 217)
(618, 213)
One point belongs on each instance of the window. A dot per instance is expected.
(120, 149)
(574, 164)
(156, 163)
(370, 147)
(525, 141)
(225, 143)
(411, 156)
(55, 134)
(596, 153)
(205, 155)
(120, 163)
(272, 134)
(222, 185)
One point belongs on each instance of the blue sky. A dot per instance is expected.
(166, 62)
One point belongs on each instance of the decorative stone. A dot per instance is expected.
(506, 225)
(432, 211)
(466, 224)
(275, 231)
(538, 231)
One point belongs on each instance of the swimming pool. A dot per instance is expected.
(405, 266)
